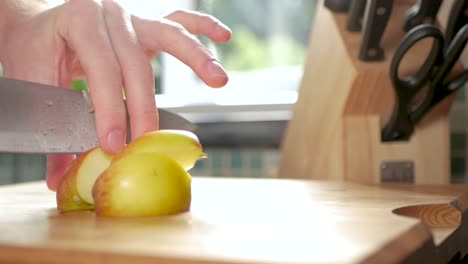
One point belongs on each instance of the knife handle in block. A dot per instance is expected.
(356, 13)
(339, 6)
(376, 17)
(335, 129)
(458, 17)
(424, 12)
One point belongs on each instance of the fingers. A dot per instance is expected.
(170, 37)
(84, 28)
(136, 69)
(201, 24)
(56, 167)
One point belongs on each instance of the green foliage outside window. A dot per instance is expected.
(80, 85)
(266, 33)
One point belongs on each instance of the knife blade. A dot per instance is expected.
(457, 18)
(376, 17)
(42, 119)
(338, 6)
(423, 12)
(356, 13)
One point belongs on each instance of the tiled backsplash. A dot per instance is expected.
(220, 162)
(21, 168)
(246, 162)
(238, 163)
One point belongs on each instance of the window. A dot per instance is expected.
(264, 57)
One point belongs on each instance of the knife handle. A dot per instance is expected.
(376, 17)
(424, 12)
(339, 6)
(356, 12)
(458, 17)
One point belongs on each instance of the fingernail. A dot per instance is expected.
(116, 140)
(215, 69)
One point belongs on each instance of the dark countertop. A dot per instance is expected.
(235, 126)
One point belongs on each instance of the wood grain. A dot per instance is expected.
(343, 103)
(246, 221)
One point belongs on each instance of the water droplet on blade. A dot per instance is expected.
(49, 103)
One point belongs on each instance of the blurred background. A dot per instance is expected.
(242, 124)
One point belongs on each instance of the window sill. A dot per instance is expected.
(237, 125)
(252, 110)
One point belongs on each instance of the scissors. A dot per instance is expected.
(430, 79)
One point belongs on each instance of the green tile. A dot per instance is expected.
(236, 159)
(194, 172)
(217, 159)
(457, 141)
(255, 160)
(29, 168)
(6, 169)
(200, 164)
(458, 165)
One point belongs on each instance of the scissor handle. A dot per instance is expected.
(410, 85)
(452, 54)
(442, 86)
(400, 126)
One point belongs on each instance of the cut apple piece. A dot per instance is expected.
(181, 145)
(143, 184)
(75, 190)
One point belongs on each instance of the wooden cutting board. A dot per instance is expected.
(246, 221)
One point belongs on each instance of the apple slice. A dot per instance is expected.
(74, 192)
(143, 184)
(181, 145)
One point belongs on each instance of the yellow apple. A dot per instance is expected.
(74, 192)
(181, 145)
(142, 184)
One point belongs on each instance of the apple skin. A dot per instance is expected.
(74, 192)
(142, 184)
(181, 145)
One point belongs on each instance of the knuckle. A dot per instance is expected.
(206, 19)
(174, 32)
(179, 13)
(176, 28)
(82, 5)
(77, 10)
(210, 21)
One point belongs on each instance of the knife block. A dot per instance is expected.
(343, 103)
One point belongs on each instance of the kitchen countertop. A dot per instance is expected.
(246, 221)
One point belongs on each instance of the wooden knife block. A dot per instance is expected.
(335, 131)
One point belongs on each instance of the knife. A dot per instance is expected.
(375, 21)
(356, 12)
(458, 17)
(338, 6)
(424, 12)
(42, 119)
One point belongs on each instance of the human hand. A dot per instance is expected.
(99, 41)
